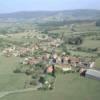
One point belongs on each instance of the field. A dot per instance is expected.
(67, 86)
(8, 80)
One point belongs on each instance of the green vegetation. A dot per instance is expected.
(80, 38)
(69, 86)
(9, 80)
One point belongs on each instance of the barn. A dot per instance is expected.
(91, 73)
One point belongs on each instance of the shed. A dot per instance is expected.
(91, 73)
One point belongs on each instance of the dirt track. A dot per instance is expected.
(2, 94)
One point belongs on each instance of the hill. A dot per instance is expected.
(52, 15)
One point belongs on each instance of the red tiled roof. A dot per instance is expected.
(49, 69)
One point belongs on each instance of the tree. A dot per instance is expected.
(17, 70)
(64, 49)
(75, 40)
(40, 64)
(42, 79)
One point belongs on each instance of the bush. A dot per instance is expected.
(18, 70)
(42, 79)
(40, 64)
(54, 35)
(64, 49)
(28, 72)
(33, 82)
(98, 54)
(75, 40)
(35, 75)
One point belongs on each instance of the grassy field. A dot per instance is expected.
(69, 86)
(9, 80)
(91, 43)
(83, 54)
(97, 65)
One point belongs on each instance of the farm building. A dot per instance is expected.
(90, 73)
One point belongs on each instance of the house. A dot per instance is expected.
(86, 63)
(92, 64)
(74, 59)
(23, 51)
(94, 74)
(30, 61)
(67, 69)
(8, 51)
(55, 56)
(71, 60)
(59, 60)
(16, 53)
(33, 61)
(46, 57)
(49, 69)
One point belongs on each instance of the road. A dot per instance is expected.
(3, 94)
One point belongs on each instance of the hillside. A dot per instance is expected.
(52, 15)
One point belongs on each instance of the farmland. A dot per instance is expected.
(67, 86)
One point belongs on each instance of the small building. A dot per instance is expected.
(92, 64)
(91, 73)
(74, 59)
(67, 69)
(49, 69)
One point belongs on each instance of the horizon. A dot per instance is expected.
(9, 6)
(48, 10)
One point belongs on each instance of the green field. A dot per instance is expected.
(69, 86)
(9, 80)
(91, 43)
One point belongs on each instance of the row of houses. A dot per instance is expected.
(58, 59)
(74, 61)
(19, 51)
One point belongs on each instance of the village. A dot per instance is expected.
(50, 50)
(45, 59)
